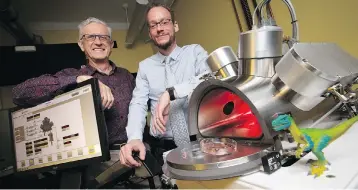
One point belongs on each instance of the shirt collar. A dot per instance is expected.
(91, 70)
(173, 55)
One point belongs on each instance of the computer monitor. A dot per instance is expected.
(65, 132)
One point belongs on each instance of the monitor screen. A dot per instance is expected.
(63, 130)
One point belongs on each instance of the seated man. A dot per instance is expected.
(170, 74)
(116, 84)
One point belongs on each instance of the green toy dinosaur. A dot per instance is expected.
(312, 139)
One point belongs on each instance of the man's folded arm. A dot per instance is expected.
(201, 68)
(138, 108)
(43, 88)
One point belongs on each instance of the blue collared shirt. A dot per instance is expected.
(188, 63)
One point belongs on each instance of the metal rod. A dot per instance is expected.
(327, 114)
(295, 30)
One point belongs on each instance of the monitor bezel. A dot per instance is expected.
(102, 131)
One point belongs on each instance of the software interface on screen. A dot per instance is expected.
(59, 131)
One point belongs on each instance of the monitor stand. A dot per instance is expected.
(72, 178)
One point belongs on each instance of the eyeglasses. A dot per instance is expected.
(92, 37)
(164, 22)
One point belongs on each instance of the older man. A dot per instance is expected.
(116, 84)
(165, 79)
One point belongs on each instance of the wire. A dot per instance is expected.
(257, 13)
(269, 10)
(253, 15)
(247, 13)
(237, 15)
(295, 30)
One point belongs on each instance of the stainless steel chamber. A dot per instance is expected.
(312, 81)
(224, 64)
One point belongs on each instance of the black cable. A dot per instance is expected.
(269, 10)
(247, 13)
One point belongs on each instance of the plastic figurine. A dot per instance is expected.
(312, 139)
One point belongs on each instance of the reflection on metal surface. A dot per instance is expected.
(224, 63)
(310, 68)
(218, 146)
(265, 42)
(223, 113)
(228, 73)
(243, 154)
(194, 152)
(303, 103)
(201, 165)
(259, 67)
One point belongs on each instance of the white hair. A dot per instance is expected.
(91, 20)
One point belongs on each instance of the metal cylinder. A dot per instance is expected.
(306, 71)
(299, 74)
(258, 67)
(305, 103)
(263, 42)
(223, 62)
(301, 102)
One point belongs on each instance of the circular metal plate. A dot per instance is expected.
(189, 162)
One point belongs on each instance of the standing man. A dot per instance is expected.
(165, 79)
(116, 84)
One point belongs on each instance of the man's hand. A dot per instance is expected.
(162, 113)
(125, 154)
(106, 93)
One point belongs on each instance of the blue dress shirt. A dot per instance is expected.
(188, 63)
